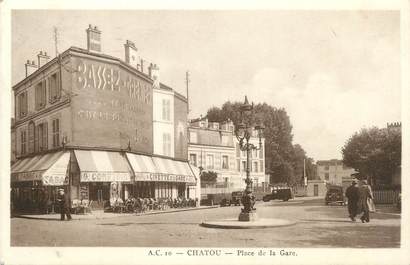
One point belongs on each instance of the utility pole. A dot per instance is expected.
(56, 40)
(187, 90)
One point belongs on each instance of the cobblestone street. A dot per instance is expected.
(317, 226)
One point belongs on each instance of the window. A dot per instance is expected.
(238, 150)
(56, 133)
(166, 109)
(225, 162)
(23, 106)
(261, 152)
(31, 133)
(40, 95)
(327, 167)
(193, 137)
(243, 165)
(243, 153)
(261, 165)
(54, 89)
(238, 164)
(327, 176)
(166, 141)
(209, 161)
(23, 138)
(192, 159)
(41, 137)
(255, 167)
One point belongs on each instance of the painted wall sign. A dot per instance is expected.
(112, 106)
(104, 176)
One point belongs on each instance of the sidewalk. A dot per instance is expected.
(100, 214)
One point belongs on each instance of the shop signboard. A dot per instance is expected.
(57, 175)
(164, 177)
(105, 176)
(111, 106)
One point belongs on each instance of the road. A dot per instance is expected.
(317, 226)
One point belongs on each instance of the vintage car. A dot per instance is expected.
(334, 195)
(225, 202)
(279, 193)
(236, 197)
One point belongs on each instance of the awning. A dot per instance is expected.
(50, 168)
(102, 166)
(148, 168)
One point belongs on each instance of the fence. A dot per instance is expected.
(385, 196)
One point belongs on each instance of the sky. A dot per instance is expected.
(334, 72)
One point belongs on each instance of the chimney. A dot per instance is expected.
(93, 39)
(131, 55)
(153, 72)
(42, 58)
(31, 67)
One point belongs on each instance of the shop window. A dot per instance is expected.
(56, 133)
(54, 89)
(23, 142)
(31, 135)
(209, 161)
(166, 109)
(40, 96)
(166, 141)
(225, 162)
(192, 159)
(23, 104)
(41, 137)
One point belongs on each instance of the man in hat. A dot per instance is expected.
(352, 194)
(64, 203)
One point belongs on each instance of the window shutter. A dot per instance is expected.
(58, 87)
(45, 136)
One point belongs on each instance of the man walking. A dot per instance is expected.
(64, 203)
(352, 194)
(364, 194)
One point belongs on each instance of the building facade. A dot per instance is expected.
(214, 147)
(334, 172)
(92, 123)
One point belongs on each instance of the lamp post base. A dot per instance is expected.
(247, 217)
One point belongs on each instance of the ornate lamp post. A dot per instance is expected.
(243, 132)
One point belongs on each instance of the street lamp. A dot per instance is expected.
(243, 132)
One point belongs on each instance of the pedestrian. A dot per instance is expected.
(352, 194)
(364, 195)
(64, 203)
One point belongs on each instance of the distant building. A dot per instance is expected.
(334, 172)
(214, 147)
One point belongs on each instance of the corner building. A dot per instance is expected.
(85, 121)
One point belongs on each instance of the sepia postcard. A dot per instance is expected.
(214, 133)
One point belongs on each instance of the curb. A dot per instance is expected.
(116, 216)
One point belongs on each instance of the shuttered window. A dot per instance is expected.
(56, 133)
(42, 137)
(23, 104)
(31, 135)
(54, 89)
(23, 141)
(40, 96)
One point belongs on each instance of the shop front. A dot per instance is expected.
(157, 177)
(102, 176)
(35, 181)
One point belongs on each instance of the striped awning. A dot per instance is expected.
(147, 168)
(102, 166)
(49, 168)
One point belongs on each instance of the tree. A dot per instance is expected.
(375, 153)
(208, 176)
(283, 160)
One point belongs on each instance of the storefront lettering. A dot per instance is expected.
(105, 176)
(55, 180)
(103, 77)
(163, 177)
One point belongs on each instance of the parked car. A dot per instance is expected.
(236, 197)
(225, 202)
(334, 194)
(279, 193)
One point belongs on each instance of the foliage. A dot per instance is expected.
(283, 161)
(375, 153)
(208, 176)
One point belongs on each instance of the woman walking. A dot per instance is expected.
(365, 194)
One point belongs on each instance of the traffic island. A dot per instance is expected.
(259, 223)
